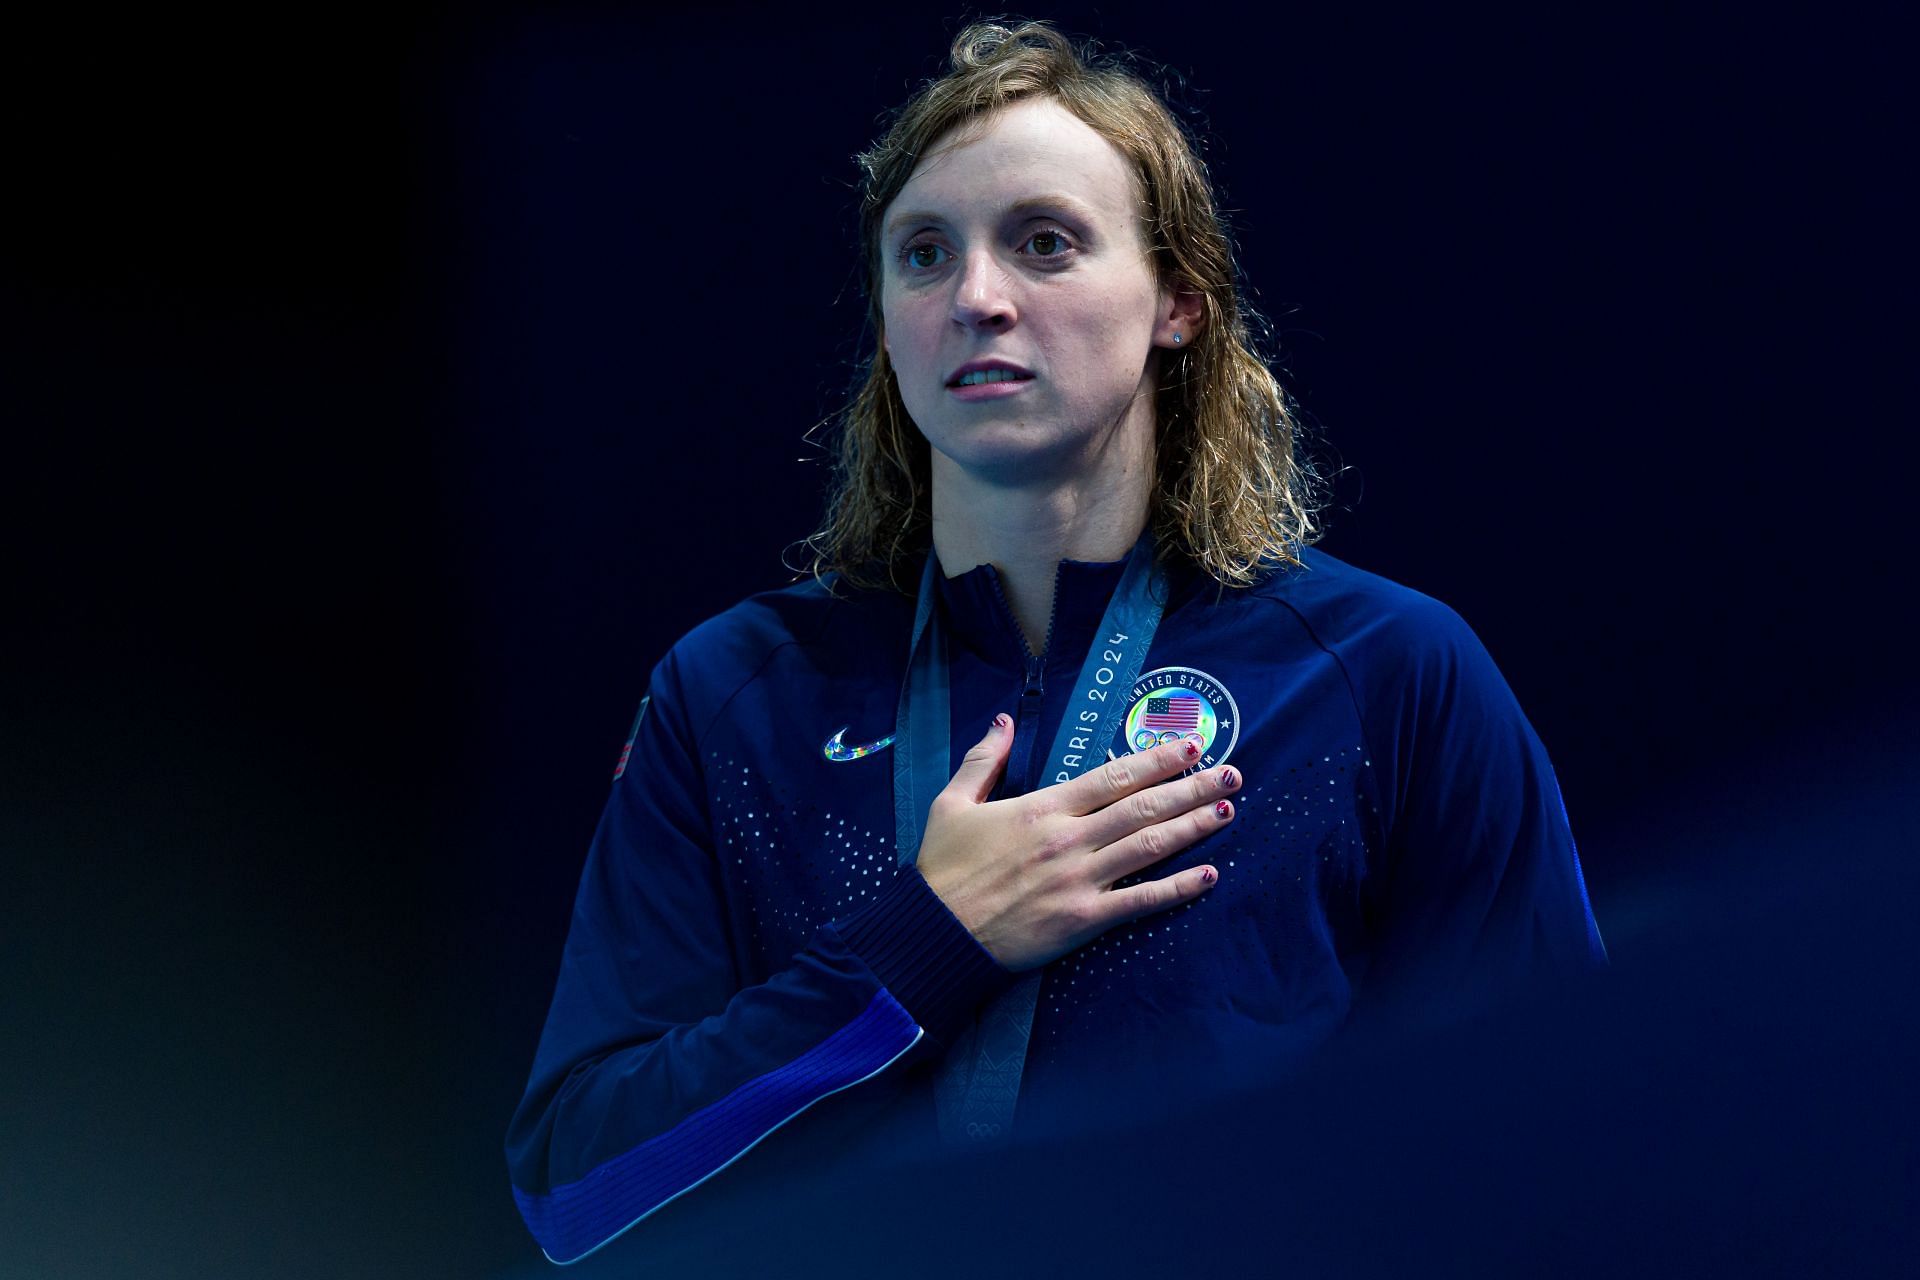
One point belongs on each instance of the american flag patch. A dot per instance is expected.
(632, 733)
(1180, 714)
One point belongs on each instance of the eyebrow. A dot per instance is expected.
(1028, 204)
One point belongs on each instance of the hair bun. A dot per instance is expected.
(983, 43)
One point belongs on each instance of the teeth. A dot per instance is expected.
(980, 376)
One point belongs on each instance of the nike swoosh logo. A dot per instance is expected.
(839, 752)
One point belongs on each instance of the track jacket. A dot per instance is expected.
(745, 943)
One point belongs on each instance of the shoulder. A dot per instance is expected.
(745, 634)
(1408, 660)
(1437, 715)
(713, 661)
(1363, 616)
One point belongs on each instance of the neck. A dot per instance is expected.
(1025, 529)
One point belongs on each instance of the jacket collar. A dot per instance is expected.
(979, 617)
(982, 620)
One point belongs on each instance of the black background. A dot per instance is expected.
(387, 388)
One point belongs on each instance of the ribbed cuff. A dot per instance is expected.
(923, 955)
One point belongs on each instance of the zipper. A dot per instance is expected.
(1026, 718)
(1026, 724)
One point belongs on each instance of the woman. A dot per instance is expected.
(1068, 514)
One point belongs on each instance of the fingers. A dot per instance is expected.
(1138, 900)
(980, 768)
(1097, 788)
(1157, 804)
(1150, 844)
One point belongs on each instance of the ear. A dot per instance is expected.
(1183, 311)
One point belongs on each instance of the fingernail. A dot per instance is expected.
(1229, 779)
(1000, 721)
(1209, 874)
(1223, 810)
(1192, 750)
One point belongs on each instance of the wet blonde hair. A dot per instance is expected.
(1229, 492)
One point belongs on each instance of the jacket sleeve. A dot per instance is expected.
(1483, 890)
(657, 1066)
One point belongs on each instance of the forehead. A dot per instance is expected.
(1030, 147)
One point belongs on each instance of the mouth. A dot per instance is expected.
(987, 373)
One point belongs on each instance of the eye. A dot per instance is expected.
(921, 256)
(1049, 243)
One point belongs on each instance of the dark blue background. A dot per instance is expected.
(388, 388)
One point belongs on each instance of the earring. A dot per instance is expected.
(1176, 339)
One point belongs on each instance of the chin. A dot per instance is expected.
(1007, 452)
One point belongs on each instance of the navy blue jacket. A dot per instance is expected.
(745, 942)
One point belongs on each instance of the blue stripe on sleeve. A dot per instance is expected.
(578, 1218)
(1596, 946)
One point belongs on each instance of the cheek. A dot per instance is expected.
(1115, 303)
(904, 327)
(1107, 330)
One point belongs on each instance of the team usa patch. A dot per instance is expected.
(1169, 703)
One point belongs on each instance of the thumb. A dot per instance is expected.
(980, 768)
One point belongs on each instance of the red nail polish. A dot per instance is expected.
(1000, 721)
(1228, 780)
(1209, 875)
(1192, 751)
(1223, 810)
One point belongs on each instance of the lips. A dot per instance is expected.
(995, 370)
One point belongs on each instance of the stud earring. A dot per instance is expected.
(1176, 339)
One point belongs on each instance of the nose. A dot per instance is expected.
(983, 299)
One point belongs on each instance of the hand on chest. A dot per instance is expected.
(803, 808)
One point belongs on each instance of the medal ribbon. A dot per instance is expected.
(978, 1081)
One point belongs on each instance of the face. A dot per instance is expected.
(1021, 253)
